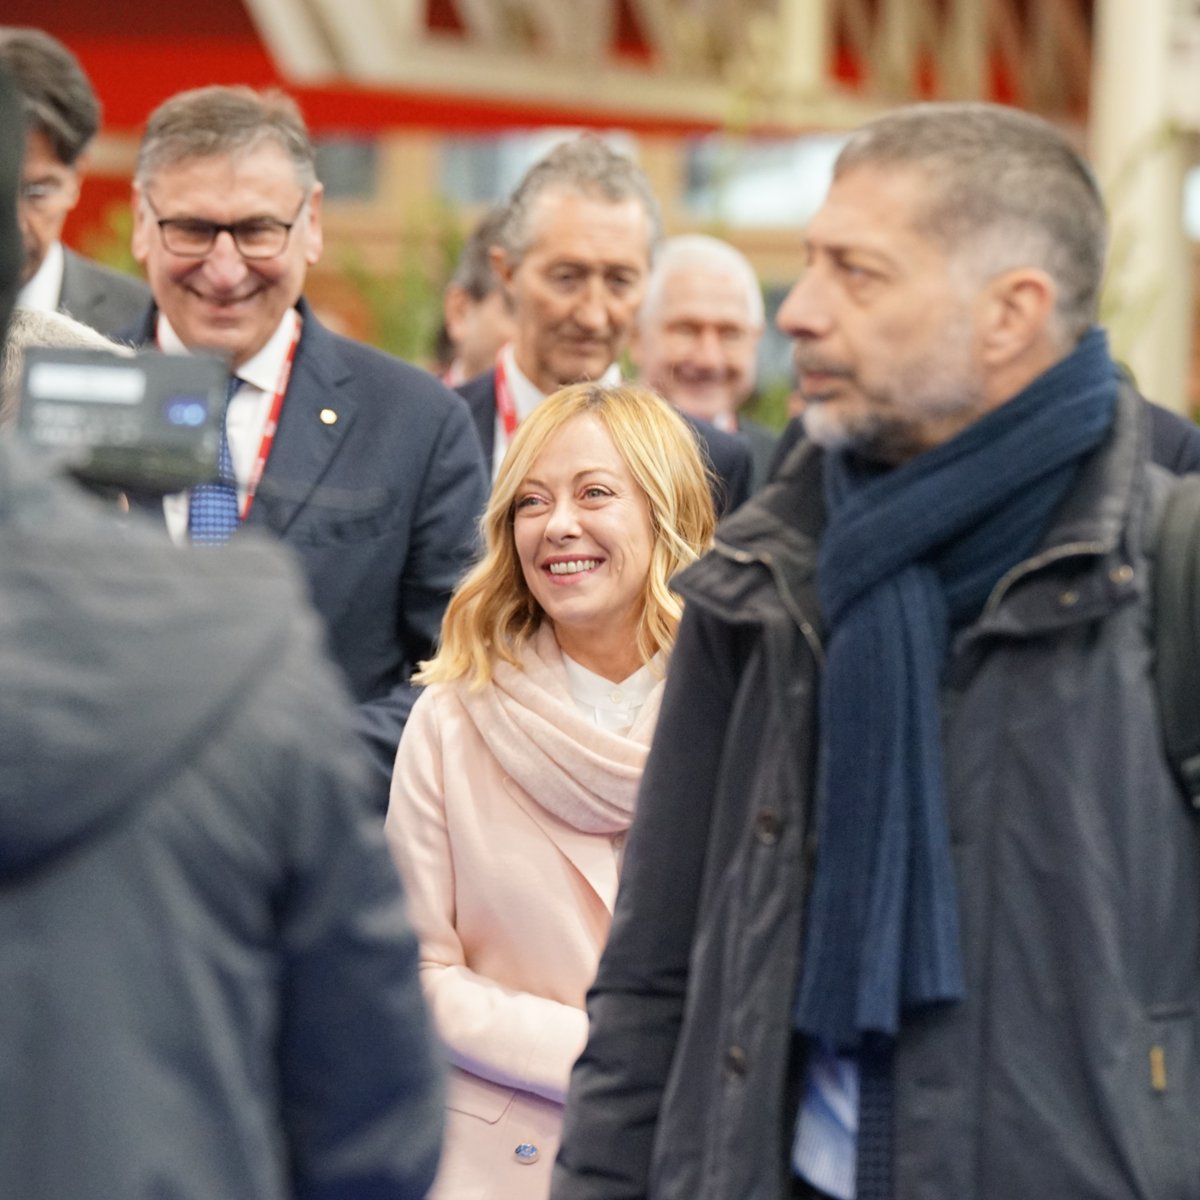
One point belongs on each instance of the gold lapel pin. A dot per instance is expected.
(328, 416)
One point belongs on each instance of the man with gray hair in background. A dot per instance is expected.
(573, 255)
(62, 115)
(368, 468)
(696, 337)
(911, 907)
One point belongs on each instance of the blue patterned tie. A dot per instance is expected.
(213, 507)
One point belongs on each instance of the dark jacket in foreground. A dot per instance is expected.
(1072, 1069)
(12, 143)
(376, 482)
(727, 454)
(209, 985)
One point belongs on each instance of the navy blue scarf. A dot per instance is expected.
(908, 555)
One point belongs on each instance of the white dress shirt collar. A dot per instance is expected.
(264, 370)
(248, 410)
(44, 291)
(525, 393)
(526, 396)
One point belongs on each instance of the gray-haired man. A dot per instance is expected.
(697, 333)
(573, 255)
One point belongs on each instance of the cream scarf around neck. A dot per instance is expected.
(585, 775)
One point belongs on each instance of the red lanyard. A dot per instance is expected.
(505, 408)
(269, 429)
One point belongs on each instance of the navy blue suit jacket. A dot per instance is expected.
(380, 507)
(728, 454)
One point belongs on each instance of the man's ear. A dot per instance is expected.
(456, 303)
(1016, 315)
(503, 266)
(315, 241)
(79, 169)
(140, 241)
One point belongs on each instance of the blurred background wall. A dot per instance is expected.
(427, 111)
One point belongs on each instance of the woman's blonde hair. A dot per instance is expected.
(492, 612)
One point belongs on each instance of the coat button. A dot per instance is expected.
(526, 1153)
(1069, 599)
(1121, 574)
(767, 825)
(735, 1062)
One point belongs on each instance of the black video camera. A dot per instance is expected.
(147, 422)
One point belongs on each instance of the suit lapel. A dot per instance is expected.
(83, 291)
(317, 413)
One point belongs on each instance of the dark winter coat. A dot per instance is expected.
(1072, 1069)
(208, 987)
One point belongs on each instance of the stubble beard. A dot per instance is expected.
(891, 424)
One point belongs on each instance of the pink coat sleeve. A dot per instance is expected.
(499, 1033)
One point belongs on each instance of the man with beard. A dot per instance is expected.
(62, 115)
(911, 908)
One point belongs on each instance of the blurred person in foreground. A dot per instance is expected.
(476, 317)
(516, 777)
(62, 116)
(911, 908)
(10, 174)
(365, 466)
(695, 340)
(210, 986)
(37, 327)
(573, 254)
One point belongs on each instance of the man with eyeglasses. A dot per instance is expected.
(367, 467)
(62, 115)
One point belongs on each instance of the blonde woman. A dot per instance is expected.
(517, 774)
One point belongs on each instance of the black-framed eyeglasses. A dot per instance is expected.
(255, 237)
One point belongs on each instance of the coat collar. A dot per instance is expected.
(769, 545)
(1090, 560)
